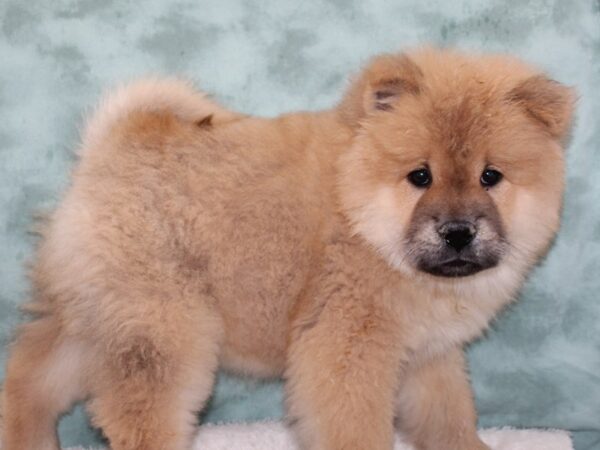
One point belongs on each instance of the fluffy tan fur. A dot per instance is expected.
(194, 238)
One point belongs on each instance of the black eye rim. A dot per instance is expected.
(490, 177)
(420, 178)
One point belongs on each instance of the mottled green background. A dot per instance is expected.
(539, 367)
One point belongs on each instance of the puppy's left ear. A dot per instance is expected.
(548, 102)
(380, 85)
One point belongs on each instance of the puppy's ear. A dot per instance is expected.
(548, 102)
(389, 77)
(380, 85)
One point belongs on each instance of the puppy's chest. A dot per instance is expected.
(437, 324)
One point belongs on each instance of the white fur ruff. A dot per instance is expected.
(274, 436)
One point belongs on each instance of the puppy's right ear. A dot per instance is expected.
(380, 85)
(549, 103)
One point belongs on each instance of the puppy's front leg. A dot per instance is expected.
(341, 377)
(435, 405)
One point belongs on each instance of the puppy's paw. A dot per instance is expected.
(472, 444)
(477, 444)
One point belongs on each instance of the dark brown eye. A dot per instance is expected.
(420, 177)
(490, 177)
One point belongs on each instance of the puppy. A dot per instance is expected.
(352, 251)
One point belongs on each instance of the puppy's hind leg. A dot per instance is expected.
(44, 377)
(156, 374)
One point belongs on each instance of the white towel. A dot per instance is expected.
(274, 436)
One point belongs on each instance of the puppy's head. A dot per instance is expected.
(457, 163)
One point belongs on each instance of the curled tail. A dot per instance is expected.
(167, 95)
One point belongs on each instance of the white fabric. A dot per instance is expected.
(274, 436)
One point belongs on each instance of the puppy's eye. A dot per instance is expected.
(420, 177)
(490, 177)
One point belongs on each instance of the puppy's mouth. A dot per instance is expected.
(454, 256)
(456, 267)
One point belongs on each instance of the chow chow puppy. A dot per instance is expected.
(352, 251)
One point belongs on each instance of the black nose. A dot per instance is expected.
(457, 234)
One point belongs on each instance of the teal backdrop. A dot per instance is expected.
(539, 366)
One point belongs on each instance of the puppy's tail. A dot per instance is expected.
(168, 95)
